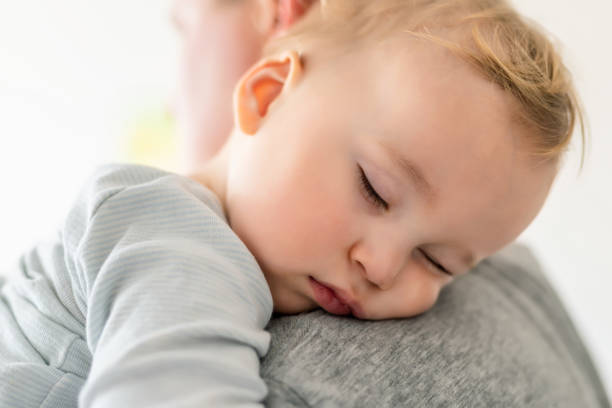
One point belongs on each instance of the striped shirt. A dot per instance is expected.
(146, 298)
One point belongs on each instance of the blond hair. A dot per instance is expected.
(503, 46)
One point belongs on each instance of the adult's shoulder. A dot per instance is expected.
(499, 336)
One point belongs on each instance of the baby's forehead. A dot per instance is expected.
(403, 67)
(402, 50)
(428, 96)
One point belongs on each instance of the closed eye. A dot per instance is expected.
(369, 192)
(435, 263)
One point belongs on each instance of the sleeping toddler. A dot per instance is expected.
(380, 150)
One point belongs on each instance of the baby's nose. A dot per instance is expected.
(381, 265)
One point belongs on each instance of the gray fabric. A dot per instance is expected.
(147, 298)
(498, 337)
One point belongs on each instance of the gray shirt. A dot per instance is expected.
(146, 299)
(498, 337)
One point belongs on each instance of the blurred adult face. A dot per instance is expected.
(220, 40)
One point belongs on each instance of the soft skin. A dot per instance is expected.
(290, 182)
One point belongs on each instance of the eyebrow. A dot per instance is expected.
(412, 171)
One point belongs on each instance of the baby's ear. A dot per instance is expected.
(261, 86)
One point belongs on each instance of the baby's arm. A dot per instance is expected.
(175, 306)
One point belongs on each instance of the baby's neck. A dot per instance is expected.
(213, 173)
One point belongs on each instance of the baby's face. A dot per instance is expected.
(373, 166)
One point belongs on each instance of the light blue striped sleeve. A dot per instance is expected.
(175, 304)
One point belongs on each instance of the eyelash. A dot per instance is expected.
(372, 196)
(435, 264)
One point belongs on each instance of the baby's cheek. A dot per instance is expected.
(317, 228)
(423, 300)
(416, 292)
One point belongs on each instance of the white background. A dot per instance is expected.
(74, 72)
